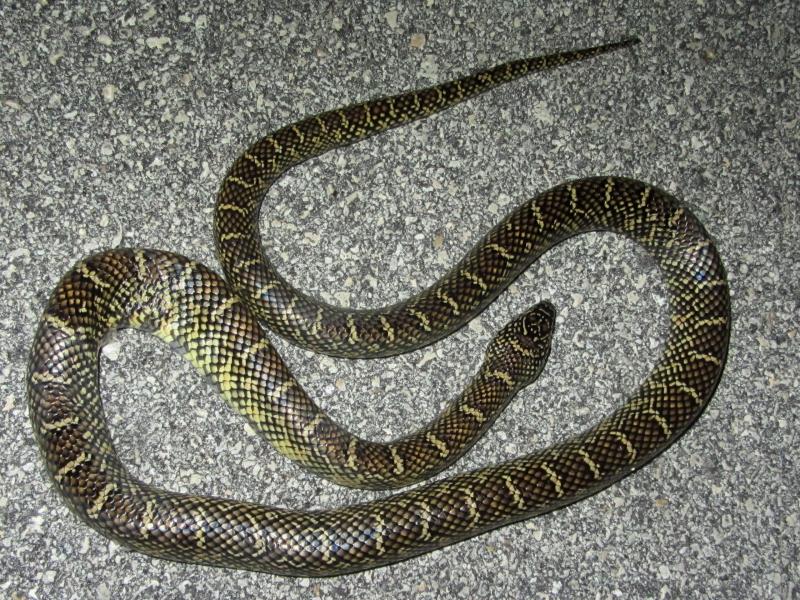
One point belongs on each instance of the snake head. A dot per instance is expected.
(520, 349)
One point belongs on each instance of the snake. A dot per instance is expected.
(219, 325)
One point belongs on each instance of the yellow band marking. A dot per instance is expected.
(553, 476)
(681, 320)
(670, 368)
(519, 348)
(440, 445)
(537, 212)
(200, 532)
(660, 420)
(259, 543)
(326, 546)
(141, 264)
(699, 246)
(472, 506)
(148, 518)
(711, 283)
(590, 463)
(353, 336)
(415, 97)
(246, 264)
(423, 318)
(299, 133)
(689, 390)
(387, 327)
(253, 160)
(224, 307)
(399, 466)
(392, 108)
(425, 520)
(367, 115)
(262, 291)
(46, 377)
(56, 425)
(93, 277)
(710, 322)
(473, 412)
(351, 454)
(100, 501)
(448, 300)
(706, 357)
(234, 208)
(286, 316)
(240, 182)
(310, 427)
(316, 326)
(232, 235)
(652, 235)
(625, 442)
(59, 324)
(501, 251)
(676, 216)
(609, 189)
(380, 526)
(573, 200)
(474, 279)
(262, 344)
(515, 493)
(502, 376)
(345, 123)
(227, 379)
(645, 197)
(72, 465)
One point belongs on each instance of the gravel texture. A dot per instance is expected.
(117, 124)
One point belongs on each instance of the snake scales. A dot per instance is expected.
(189, 306)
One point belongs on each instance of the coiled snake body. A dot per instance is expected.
(193, 308)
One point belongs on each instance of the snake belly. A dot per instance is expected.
(186, 303)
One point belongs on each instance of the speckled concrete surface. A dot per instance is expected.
(117, 123)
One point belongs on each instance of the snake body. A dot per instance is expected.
(213, 322)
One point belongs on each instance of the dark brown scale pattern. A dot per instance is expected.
(191, 307)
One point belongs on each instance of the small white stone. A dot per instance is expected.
(109, 92)
(103, 592)
(157, 42)
(417, 40)
(111, 350)
(343, 298)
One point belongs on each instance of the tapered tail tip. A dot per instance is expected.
(625, 42)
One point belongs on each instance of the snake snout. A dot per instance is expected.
(522, 346)
(538, 322)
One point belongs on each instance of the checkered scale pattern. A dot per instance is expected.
(214, 325)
